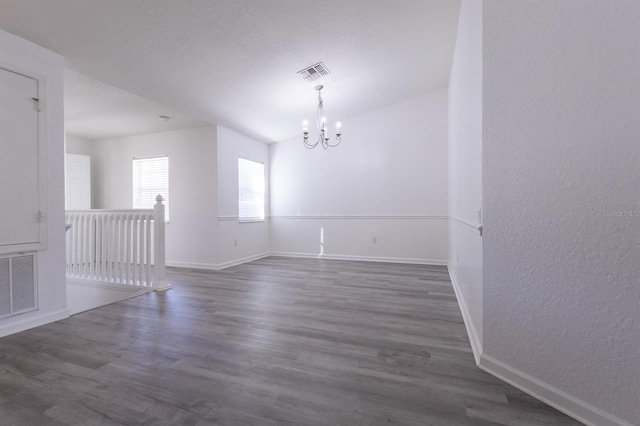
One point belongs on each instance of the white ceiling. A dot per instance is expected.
(95, 110)
(234, 62)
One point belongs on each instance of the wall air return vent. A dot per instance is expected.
(17, 284)
(314, 72)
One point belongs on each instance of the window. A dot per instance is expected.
(150, 178)
(251, 190)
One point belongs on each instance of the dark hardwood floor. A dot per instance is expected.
(275, 341)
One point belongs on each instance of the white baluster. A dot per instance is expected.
(147, 249)
(127, 245)
(159, 281)
(84, 248)
(93, 251)
(74, 252)
(121, 259)
(140, 238)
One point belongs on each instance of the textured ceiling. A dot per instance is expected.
(95, 110)
(234, 62)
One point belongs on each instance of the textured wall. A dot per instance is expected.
(561, 164)
(465, 166)
(387, 180)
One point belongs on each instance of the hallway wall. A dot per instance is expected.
(465, 170)
(560, 201)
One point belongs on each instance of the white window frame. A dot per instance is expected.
(251, 190)
(157, 172)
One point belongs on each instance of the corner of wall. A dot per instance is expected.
(550, 395)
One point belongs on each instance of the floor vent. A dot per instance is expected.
(314, 72)
(17, 284)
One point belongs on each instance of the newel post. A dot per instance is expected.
(159, 280)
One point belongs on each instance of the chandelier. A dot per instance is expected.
(321, 125)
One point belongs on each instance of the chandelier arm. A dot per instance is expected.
(323, 133)
(308, 144)
(338, 140)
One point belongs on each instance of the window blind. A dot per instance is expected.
(251, 190)
(150, 178)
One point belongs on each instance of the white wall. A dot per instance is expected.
(76, 145)
(465, 169)
(22, 56)
(236, 241)
(192, 186)
(203, 185)
(561, 175)
(80, 146)
(387, 180)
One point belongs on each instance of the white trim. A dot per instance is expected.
(33, 322)
(110, 286)
(471, 226)
(414, 261)
(560, 400)
(243, 260)
(217, 266)
(192, 265)
(223, 218)
(97, 211)
(99, 289)
(148, 157)
(359, 216)
(474, 338)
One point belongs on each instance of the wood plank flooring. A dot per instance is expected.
(272, 342)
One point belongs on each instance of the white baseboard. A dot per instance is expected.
(217, 266)
(192, 265)
(32, 322)
(474, 338)
(84, 295)
(105, 285)
(243, 260)
(414, 261)
(560, 400)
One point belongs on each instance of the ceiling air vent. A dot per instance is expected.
(314, 72)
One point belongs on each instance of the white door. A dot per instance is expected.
(19, 179)
(77, 182)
